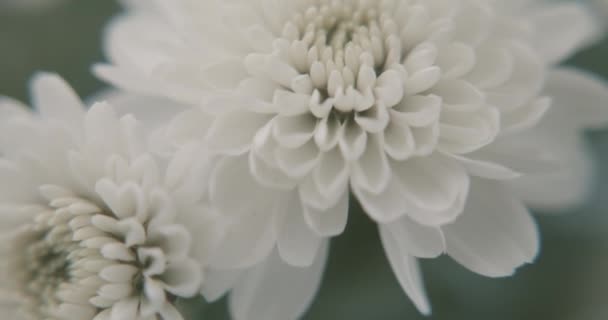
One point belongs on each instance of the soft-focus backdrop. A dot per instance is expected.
(569, 281)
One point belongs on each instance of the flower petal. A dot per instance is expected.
(55, 99)
(330, 222)
(294, 131)
(231, 179)
(10, 107)
(372, 171)
(232, 133)
(298, 162)
(418, 240)
(406, 269)
(267, 175)
(495, 235)
(247, 241)
(557, 40)
(579, 100)
(255, 297)
(477, 165)
(332, 173)
(434, 188)
(386, 206)
(569, 176)
(296, 242)
(389, 88)
(183, 279)
(218, 282)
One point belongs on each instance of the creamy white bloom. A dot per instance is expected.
(93, 226)
(428, 112)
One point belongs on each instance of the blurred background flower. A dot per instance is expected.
(568, 281)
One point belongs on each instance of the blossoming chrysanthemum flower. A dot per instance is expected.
(428, 112)
(93, 226)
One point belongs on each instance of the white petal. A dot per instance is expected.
(557, 40)
(426, 139)
(389, 88)
(154, 292)
(418, 240)
(231, 179)
(386, 206)
(10, 107)
(191, 124)
(495, 235)
(127, 80)
(372, 171)
(465, 132)
(433, 187)
(477, 165)
(101, 125)
(225, 74)
(493, 67)
(332, 173)
(249, 240)
(291, 104)
(398, 141)
(118, 273)
(169, 312)
(294, 131)
(267, 175)
(312, 196)
(122, 200)
(183, 278)
(298, 162)
(232, 133)
(56, 100)
(70, 311)
(374, 119)
(255, 298)
(353, 140)
(579, 100)
(456, 60)
(525, 117)
(459, 95)
(125, 309)
(570, 176)
(422, 80)
(525, 82)
(151, 111)
(296, 242)
(330, 222)
(417, 111)
(328, 132)
(406, 269)
(175, 240)
(218, 282)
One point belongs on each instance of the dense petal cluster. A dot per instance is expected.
(434, 114)
(91, 229)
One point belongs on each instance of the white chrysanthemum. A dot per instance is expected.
(427, 111)
(92, 228)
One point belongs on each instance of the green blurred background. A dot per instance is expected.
(569, 281)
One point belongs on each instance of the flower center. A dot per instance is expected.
(343, 47)
(47, 265)
(48, 262)
(67, 254)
